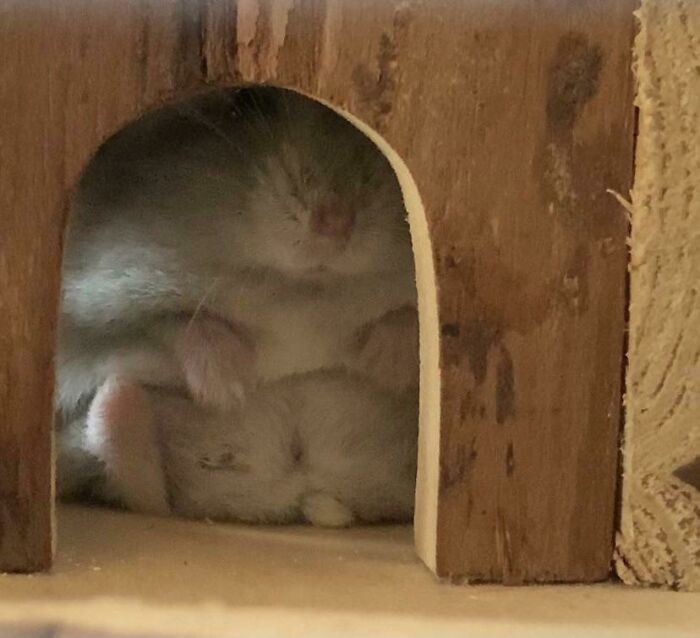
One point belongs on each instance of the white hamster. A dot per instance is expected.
(259, 207)
(238, 242)
(324, 447)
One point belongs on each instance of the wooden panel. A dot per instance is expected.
(31, 200)
(513, 119)
(659, 539)
(531, 263)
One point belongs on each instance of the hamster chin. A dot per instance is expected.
(313, 260)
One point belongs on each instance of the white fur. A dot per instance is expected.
(121, 431)
(186, 216)
(219, 223)
(325, 447)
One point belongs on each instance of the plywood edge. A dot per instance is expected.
(427, 484)
(658, 542)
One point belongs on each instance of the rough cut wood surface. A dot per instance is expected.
(31, 219)
(659, 540)
(513, 118)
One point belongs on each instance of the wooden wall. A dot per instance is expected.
(513, 119)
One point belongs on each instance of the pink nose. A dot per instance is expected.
(335, 222)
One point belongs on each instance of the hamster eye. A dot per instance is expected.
(222, 461)
(226, 461)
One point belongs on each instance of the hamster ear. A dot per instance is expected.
(122, 432)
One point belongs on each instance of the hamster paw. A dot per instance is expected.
(122, 433)
(218, 363)
(324, 510)
(387, 350)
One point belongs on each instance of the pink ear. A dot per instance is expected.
(333, 220)
(122, 432)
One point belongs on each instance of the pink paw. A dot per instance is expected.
(122, 432)
(387, 350)
(219, 363)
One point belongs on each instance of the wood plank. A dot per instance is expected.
(531, 268)
(512, 126)
(31, 200)
(659, 539)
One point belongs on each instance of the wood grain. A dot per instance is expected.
(513, 119)
(659, 538)
(31, 220)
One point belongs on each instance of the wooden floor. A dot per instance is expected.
(121, 574)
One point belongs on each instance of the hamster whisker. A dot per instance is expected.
(200, 304)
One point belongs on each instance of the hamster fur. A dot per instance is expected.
(325, 447)
(244, 240)
(213, 208)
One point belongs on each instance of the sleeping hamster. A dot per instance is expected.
(259, 207)
(241, 241)
(324, 447)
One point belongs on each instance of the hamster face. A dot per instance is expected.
(323, 199)
(259, 177)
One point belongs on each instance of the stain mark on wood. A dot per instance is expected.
(510, 460)
(574, 288)
(574, 79)
(478, 339)
(188, 63)
(505, 387)
(450, 330)
(377, 88)
(454, 470)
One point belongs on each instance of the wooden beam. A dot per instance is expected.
(659, 539)
(31, 200)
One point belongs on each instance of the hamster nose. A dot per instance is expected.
(334, 222)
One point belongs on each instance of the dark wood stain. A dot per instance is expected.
(510, 460)
(376, 87)
(574, 79)
(505, 387)
(450, 330)
(574, 289)
(478, 337)
(188, 62)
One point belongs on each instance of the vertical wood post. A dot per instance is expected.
(31, 200)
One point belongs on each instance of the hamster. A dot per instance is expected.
(325, 447)
(228, 250)
(258, 207)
